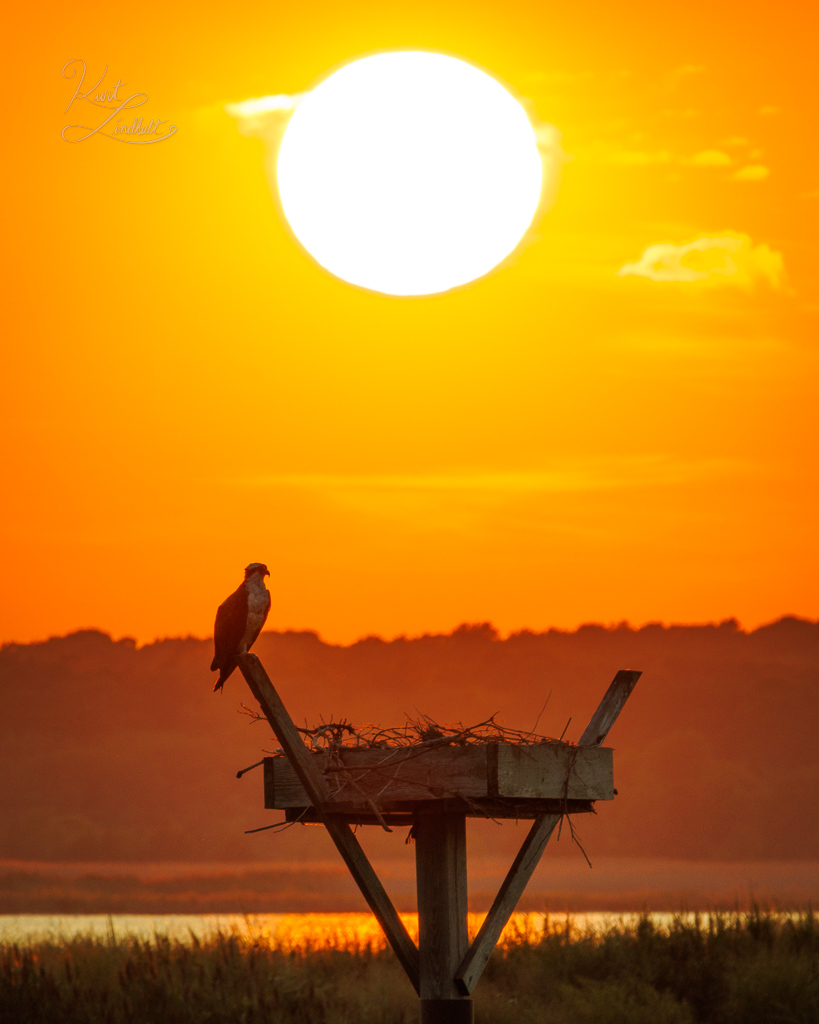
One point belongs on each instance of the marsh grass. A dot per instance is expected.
(756, 968)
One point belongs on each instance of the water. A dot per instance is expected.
(288, 930)
(166, 895)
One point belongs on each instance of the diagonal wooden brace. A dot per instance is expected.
(535, 843)
(340, 832)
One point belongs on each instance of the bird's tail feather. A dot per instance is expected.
(224, 671)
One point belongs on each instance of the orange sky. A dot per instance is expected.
(185, 391)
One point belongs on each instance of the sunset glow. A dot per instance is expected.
(616, 422)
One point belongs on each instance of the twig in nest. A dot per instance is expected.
(280, 826)
(349, 780)
(371, 804)
(400, 745)
(532, 733)
(565, 799)
(422, 733)
(573, 834)
(254, 716)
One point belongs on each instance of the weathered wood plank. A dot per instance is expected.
(440, 865)
(535, 843)
(340, 832)
(387, 775)
(510, 892)
(400, 813)
(548, 770)
(609, 708)
(532, 771)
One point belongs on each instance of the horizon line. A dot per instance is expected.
(483, 627)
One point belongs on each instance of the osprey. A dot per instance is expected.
(239, 620)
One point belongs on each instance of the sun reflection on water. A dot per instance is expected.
(297, 932)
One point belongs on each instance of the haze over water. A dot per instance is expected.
(38, 894)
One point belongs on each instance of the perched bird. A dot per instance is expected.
(239, 620)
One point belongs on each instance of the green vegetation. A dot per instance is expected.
(756, 968)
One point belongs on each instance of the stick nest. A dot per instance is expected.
(422, 731)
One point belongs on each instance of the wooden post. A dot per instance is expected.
(340, 832)
(446, 968)
(440, 865)
(535, 843)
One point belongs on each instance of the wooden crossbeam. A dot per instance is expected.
(340, 832)
(609, 708)
(535, 843)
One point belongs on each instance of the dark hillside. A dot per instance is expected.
(110, 752)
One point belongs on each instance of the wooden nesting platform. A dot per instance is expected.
(389, 785)
(434, 786)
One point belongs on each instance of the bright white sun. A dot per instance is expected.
(409, 173)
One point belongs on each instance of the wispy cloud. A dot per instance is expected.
(264, 117)
(589, 476)
(729, 259)
(679, 77)
(640, 157)
(618, 155)
(710, 158)
(548, 139)
(263, 105)
(752, 172)
(559, 78)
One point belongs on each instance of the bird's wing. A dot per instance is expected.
(231, 622)
(255, 636)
